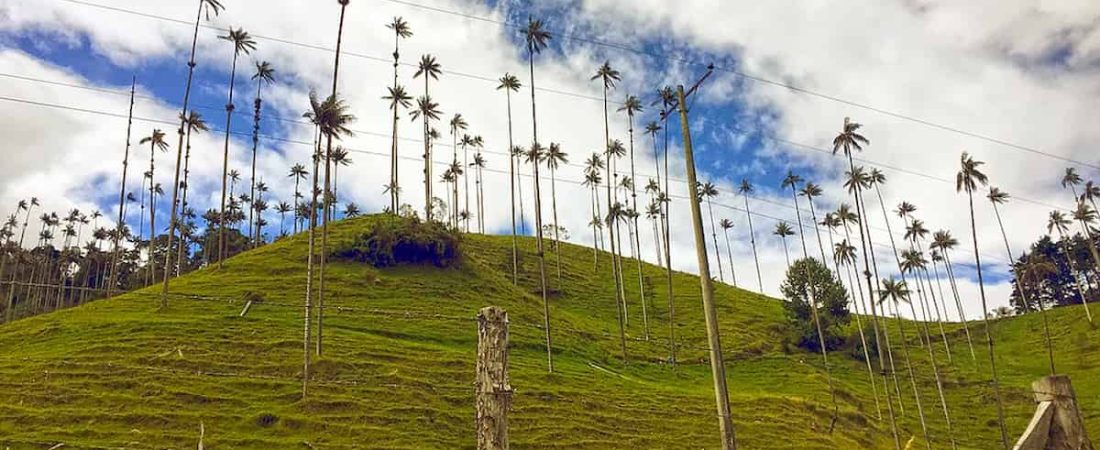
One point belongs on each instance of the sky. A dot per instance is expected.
(1013, 82)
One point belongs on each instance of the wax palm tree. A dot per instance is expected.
(457, 124)
(518, 154)
(810, 190)
(1035, 269)
(848, 140)
(264, 75)
(968, 179)
(479, 167)
(632, 106)
(707, 191)
(282, 208)
(608, 78)
(915, 232)
(427, 110)
(398, 99)
(1058, 222)
(727, 225)
(1087, 218)
(898, 291)
(555, 157)
(943, 242)
(1070, 180)
(1091, 193)
(592, 180)
(653, 189)
(194, 124)
(783, 231)
(298, 172)
(746, 189)
(340, 158)
(351, 210)
(663, 201)
(156, 142)
(333, 122)
(509, 84)
(999, 197)
(535, 155)
(844, 255)
(242, 44)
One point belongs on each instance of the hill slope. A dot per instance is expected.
(398, 364)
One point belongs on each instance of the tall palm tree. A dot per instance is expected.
(968, 179)
(282, 208)
(466, 141)
(265, 74)
(333, 122)
(707, 191)
(727, 225)
(509, 84)
(746, 189)
(195, 125)
(398, 99)
(479, 168)
(999, 197)
(156, 142)
(242, 44)
(458, 123)
(1091, 193)
(592, 180)
(848, 140)
(428, 111)
(943, 242)
(298, 172)
(1070, 180)
(1034, 269)
(208, 6)
(632, 106)
(663, 201)
(653, 189)
(844, 254)
(898, 291)
(537, 39)
(608, 78)
(340, 158)
(518, 154)
(915, 232)
(535, 155)
(1087, 218)
(555, 157)
(810, 190)
(1058, 222)
(915, 263)
(784, 231)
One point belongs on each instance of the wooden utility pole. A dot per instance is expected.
(717, 365)
(493, 392)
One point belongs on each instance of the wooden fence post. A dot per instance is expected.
(493, 391)
(1057, 422)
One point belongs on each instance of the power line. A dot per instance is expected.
(383, 154)
(760, 79)
(641, 174)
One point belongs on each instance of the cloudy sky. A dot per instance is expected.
(1013, 82)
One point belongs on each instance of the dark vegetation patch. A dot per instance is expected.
(393, 241)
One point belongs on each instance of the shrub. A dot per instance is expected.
(832, 305)
(393, 241)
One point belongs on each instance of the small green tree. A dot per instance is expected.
(806, 274)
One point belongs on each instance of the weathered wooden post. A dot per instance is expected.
(493, 391)
(1057, 423)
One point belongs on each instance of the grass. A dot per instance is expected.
(398, 366)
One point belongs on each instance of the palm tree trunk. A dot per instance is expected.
(512, 191)
(912, 376)
(665, 217)
(637, 245)
(171, 231)
(611, 223)
(958, 302)
(714, 237)
(935, 366)
(538, 214)
(121, 200)
(752, 239)
(988, 332)
(183, 199)
(395, 201)
(557, 229)
(882, 343)
(225, 162)
(327, 210)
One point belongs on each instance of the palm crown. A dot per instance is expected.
(156, 140)
(997, 196)
(398, 97)
(969, 177)
(783, 230)
(608, 75)
(242, 41)
(535, 36)
(849, 138)
(509, 82)
(265, 73)
(428, 67)
(400, 28)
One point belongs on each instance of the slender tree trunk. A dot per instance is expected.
(557, 228)
(958, 303)
(611, 222)
(395, 200)
(225, 163)
(512, 190)
(912, 376)
(988, 332)
(538, 214)
(935, 366)
(121, 202)
(637, 245)
(714, 237)
(183, 199)
(752, 239)
(309, 271)
(1081, 289)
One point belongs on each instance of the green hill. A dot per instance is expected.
(398, 364)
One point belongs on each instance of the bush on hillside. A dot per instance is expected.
(803, 276)
(393, 241)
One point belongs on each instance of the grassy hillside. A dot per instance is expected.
(398, 364)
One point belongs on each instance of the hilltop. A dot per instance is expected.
(398, 363)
